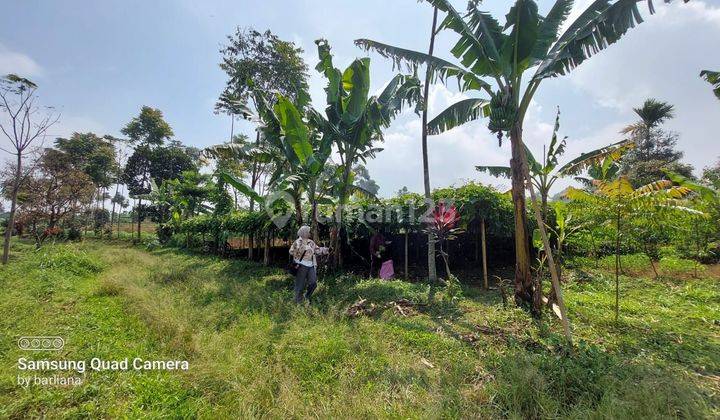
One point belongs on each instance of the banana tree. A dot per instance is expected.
(502, 54)
(622, 201)
(354, 121)
(298, 151)
(542, 174)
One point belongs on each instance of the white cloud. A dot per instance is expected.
(453, 155)
(662, 59)
(18, 63)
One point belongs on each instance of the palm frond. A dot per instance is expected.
(654, 112)
(602, 24)
(457, 114)
(496, 171)
(653, 187)
(549, 29)
(595, 157)
(409, 60)
(703, 191)
(239, 185)
(556, 149)
(712, 77)
(357, 189)
(587, 182)
(577, 194)
(480, 38)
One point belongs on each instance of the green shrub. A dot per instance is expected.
(69, 260)
(452, 290)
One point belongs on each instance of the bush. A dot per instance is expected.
(164, 233)
(69, 260)
(452, 289)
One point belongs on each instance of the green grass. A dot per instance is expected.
(253, 353)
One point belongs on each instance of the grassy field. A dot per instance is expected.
(252, 353)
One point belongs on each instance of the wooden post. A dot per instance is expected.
(546, 243)
(484, 253)
(406, 254)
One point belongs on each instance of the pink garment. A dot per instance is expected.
(387, 271)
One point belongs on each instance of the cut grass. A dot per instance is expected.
(253, 353)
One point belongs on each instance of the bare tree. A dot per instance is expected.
(23, 123)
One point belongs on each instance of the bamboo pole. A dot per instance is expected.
(484, 253)
(406, 254)
(546, 243)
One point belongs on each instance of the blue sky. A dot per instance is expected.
(99, 62)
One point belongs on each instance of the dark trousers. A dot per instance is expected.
(375, 265)
(306, 277)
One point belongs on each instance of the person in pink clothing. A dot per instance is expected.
(377, 250)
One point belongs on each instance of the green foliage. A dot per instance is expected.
(354, 120)
(261, 60)
(712, 77)
(252, 352)
(452, 291)
(476, 201)
(93, 155)
(69, 260)
(149, 128)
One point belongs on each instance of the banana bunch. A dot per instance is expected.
(502, 113)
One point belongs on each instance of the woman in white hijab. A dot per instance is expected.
(303, 252)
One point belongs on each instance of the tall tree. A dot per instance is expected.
(93, 155)
(432, 270)
(502, 54)
(54, 190)
(147, 131)
(364, 181)
(260, 62)
(232, 157)
(354, 120)
(654, 151)
(148, 128)
(24, 123)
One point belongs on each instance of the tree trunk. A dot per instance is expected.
(139, 219)
(112, 212)
(132, 222)
(13, 208)
(523, 276)
(432, 272)
(298, 211)
(232, 127)
(314, 221)
(340, 212)
(484, 253)
(406, 254)
(266, 254)
(251, 246)
(255, 173)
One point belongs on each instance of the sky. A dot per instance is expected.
(98, 63)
